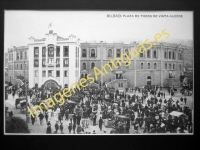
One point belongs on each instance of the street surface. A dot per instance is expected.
(41, 129)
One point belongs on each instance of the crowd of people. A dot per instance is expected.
(146, 110)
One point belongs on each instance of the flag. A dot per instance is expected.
(50, 25)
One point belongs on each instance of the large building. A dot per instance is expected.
(52, 61)
(55, 61)
(17, 60)
(160, 65)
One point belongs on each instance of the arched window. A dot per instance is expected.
(127, 66)
(148, 54)
(25, 55)
(51, 51)
(165, 66)
(36, 63)
(84, 66)
(170, 66)
(169, 55)
(110, 53)
(173, 66)
(165, 55)
(141, 65)
(126, 51)
(84, 53)
(141, 55)
(180, 56)
(118, 53)
(154, 54)
(148, 65)
(92, 65)
(92, 53)
(173, 55)
(155, 66)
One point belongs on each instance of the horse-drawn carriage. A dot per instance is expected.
(36, 101)
(120, 127)
(18, 100)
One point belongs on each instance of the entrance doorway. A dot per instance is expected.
(149, 80)
(51, 85)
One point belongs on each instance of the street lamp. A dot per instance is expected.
(26, 94)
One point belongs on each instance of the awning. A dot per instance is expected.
(22, 101)
(176, 113)
(122, 117)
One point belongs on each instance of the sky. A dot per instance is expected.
(95, 26)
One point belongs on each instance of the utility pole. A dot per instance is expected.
(26, 92)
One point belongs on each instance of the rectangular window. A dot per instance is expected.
(66, 51)
(43, 73)
(36, 63)
(57, 73)
(58, 51)
(21, 55)
(141, 65)
(51, 60)
(36, 51)
(51, 51)
(165, 66)
(43, 51)
(36, 73)
(50, 73)
(118, 76)
(17, 56)
(148, 65)
(66, 62)
(25, 55)
(57, 62)
(43, 62)
(65, 73)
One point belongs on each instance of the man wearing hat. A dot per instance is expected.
(93, 132)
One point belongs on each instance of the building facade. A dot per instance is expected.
(53, 61)
(18, 64)
(160, 65)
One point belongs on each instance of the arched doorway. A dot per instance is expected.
(51, 85)
(149, 80)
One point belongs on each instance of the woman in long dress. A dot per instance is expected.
(55, 115)
(49, 112)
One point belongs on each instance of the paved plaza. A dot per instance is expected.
(41, 129)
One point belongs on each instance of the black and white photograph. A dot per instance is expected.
(98, 72)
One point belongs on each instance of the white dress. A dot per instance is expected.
(55, 115)
(49, 113)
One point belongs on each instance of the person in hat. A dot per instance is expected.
(48, 123)
(79, 129)
(100, 123)
(185, 100)
(46, 116)
(70, 128)
(41, 116)
(94, 119)
(48, 131)
(74, 128)
(56, 127)
(61, 127)
(93, 132)
(33, 119)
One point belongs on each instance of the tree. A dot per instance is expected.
(16, 125)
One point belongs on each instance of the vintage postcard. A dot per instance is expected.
(98, 72)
